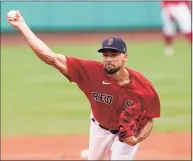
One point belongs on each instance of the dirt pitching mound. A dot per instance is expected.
(164, 146)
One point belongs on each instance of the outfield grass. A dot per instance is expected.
(38, 100)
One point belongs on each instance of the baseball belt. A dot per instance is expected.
(112, 131)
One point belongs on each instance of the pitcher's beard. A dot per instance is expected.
(111, 70)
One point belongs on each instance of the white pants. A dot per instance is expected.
(181, 15)
(103, 145)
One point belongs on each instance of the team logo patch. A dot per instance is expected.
(110, 41)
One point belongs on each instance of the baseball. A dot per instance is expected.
(12, 14)
(84, 154)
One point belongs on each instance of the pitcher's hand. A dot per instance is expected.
(15, 19)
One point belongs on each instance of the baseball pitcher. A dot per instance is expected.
(123, 102)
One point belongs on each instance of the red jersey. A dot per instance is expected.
(106, 96)
(166, 3)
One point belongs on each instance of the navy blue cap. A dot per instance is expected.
(114, 43)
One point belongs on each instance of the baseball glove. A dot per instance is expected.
(132, 119)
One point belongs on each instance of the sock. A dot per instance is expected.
(189, 37)
(168, 40)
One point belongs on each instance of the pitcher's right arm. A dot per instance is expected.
(76, 70)
(39, 48)
(44, 52)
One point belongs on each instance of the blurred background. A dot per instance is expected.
(84, 16)
(43, 116)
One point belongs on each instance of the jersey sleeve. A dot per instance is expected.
(153, 106)
(79, 70)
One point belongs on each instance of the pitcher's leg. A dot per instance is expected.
(168, 23)
(183, 17)
(169, 31)
(123, 151)
(99, 142)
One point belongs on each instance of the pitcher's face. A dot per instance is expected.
(113, 60)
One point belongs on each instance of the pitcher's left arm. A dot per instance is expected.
(142, 134)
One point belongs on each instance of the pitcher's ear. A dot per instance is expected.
(125, 57)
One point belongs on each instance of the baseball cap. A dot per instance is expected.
(114, 43)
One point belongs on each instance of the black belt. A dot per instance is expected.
(112, 131)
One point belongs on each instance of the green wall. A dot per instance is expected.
(69, 16)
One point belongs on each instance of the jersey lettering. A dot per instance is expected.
(95, 95)
(127, 103)
(104, 98)
(109, 99)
